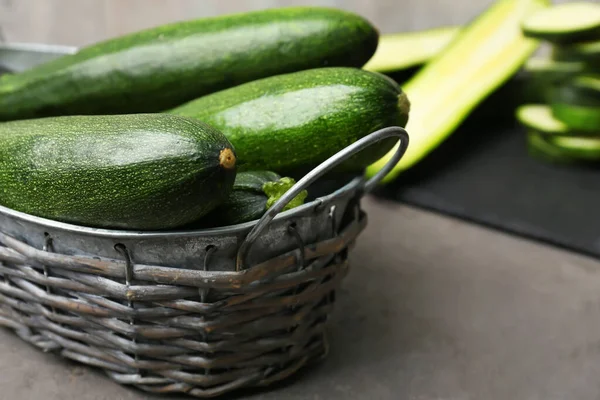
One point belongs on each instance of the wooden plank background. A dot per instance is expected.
(80, 22)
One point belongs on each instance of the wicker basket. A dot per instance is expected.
(199, 312)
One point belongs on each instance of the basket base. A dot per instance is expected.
(261, 379)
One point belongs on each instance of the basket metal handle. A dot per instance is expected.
(319, 171)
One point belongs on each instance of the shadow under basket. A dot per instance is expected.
(198, 312)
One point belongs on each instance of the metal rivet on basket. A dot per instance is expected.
(47, 242)
(326, 346)
(332, 216)
(356, 211)
(210, 249)
(292, 230)
(121, 248)
(301, 260)
(319, 205)
(48, 246)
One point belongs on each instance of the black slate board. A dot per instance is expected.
(484, 174)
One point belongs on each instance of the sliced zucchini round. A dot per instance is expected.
(550, 70)
(577, 105)
(581, 148)
(588, 52)
(562, 53)
(538, 117)
(563, 149)
(590, 82)
(565, 23)
(539, 148)
(576, 92)
(577, 117)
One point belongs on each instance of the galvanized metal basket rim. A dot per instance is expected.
(132, 234)
(255, 228)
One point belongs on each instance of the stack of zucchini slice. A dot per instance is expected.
(564, 123)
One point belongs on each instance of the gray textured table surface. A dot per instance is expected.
(433, 308)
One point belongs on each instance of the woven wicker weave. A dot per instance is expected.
(213, 335)
(202, 313)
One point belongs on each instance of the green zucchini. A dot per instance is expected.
(162, 67)
(564, 150)
(565, 23)
(400, 51)
(292, 122)
(135, 172)
(484, 55)
(253, 193)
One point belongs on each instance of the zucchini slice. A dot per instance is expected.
(539, 148)
(565, 23)
(399, 51)
(589, 82)
(552, 71)
(576, 103)
(563, 149)
(485, 54)
(572, 93)
(538, 117)
(544, 73)
(561, 53)
(588, 52)
(578, 117)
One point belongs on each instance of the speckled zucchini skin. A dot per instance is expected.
(295, 121)
(160, 68)
(141, 172)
